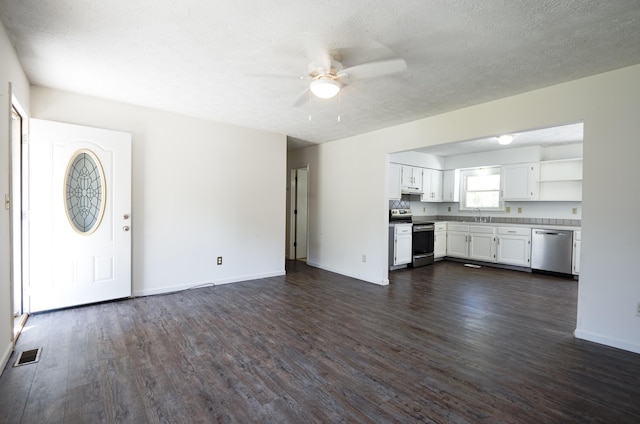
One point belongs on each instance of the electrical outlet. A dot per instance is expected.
(424, 209)
(519, 210)
(449, 209)
(219, 261)
(574, 211)
(638, 309)
(507, 209)
(364, 258)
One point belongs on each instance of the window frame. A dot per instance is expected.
(472, 172)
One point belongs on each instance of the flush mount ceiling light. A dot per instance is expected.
(505, 139)
(325, 88)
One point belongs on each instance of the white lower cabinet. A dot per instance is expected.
(440, 240)
(458, 240)
(482, 243)
(402, 244)
(503, 245)
(514, 246)
(576, 252)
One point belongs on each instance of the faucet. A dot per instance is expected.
(479, 218)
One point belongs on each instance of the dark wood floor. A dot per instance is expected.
(443, 343)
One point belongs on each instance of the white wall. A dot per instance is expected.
(200, 190)
(349, 174)
(10, 71)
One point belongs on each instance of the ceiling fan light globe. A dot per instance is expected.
(325, 88)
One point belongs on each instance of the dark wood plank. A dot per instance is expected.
(442, 343)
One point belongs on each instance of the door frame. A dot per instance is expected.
(19, 226)
(293, 212)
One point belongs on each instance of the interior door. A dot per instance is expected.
(80, 215)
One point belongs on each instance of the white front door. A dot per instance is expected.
(80, 215)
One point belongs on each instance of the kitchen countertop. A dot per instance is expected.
(506, 224)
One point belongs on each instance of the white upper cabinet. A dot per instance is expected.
(451, 185)
(431, 185)
(520, 181)
(411, 179)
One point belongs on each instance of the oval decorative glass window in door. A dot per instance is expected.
(85, 192)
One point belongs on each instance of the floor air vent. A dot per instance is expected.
(28, 357)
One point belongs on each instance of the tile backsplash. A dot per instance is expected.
(399, 204)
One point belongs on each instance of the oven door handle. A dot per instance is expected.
(422, 228)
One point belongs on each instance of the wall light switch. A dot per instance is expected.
(364, 258)
(574, 211)
(449, 209)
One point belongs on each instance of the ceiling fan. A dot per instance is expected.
(327, 74)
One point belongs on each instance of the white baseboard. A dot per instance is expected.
(196, 284)
(6, 355)
(341, 272)
(608, 341)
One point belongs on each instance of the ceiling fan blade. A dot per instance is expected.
(374, 69)
(303, 98)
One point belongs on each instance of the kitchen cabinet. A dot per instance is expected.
(575, 265)
(482, 242)
(393, 182)
(520, 181)
(440, 240)
(402, 252)
(458, 240)
(451, 185)
(411, 179)
(514, 246)
(431, 185)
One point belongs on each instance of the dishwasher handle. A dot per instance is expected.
(551, 233)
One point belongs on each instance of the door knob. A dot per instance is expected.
(125, 228)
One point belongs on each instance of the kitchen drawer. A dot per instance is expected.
(440, 226)
(515, 231)
(458, 227)
(403, 229)
(482, 229)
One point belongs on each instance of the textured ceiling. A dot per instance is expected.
(545, 137)
(240, 62)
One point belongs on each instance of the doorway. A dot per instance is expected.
(299, 214)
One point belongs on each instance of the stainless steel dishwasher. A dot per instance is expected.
(551, 250)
